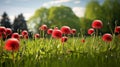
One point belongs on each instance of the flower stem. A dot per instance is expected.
(43, 34)
(13, 57)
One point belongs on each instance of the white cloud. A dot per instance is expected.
(77, 2)
(56, 2)
(0, 17)
(9, 1)
(11, 17)
(27, 15)
(79, 11)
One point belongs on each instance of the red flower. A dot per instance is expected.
(8, 31)
(21, 37)
(16, 35)
(12, 44)
(24, 33)
(0, 35)
(97, 24)
(65, 30)
(64, 39)
(117, 29)
(49, 31)
(2, 29)
(37, 36)
(43, 27)
(83, 40)
(73, 31)
(56, 28)
(107, 37)
(3, 35)
(56, 34)
(90, 31)
(25, 37)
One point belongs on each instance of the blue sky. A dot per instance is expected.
(27, 7)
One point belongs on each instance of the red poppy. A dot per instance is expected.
(56, 34)
(3, 35)
(117, 29)
(12, 44)
(65, 30)
(37, 35)
(64, 39)
(56, 28)
(25, 37)
(83, 40)
(43, 27)
(8, 31)
(107, 37)
(49, 31)
(0, 35)
(16, 35)
(97, 24)
(73, 31)
(24, 33)
(21, 37)
(2, 29)
(90, 31)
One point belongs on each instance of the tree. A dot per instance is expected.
(55, 16)
(93, 10)
(5, 21)
(63, 15)
(40, 17)
(85, 24)
(108, 12)
(19, 24)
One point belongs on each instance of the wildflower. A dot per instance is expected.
(2, 29)
(12, 44)
(56, 34)
(24, 33)
(83, 40)
(107, 37)
(37, 36)
(65, 30)
(73, 31)
(16, 35)
(64, 39)
(90, 31)
(49, 31)
(97, 24)
(26, 37)
(8, 31)
(43, 27)
(117, 29)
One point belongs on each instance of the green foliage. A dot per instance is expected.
(63, 16)
(50, 53)
(40, 17)
(19, 24)
(5, 21)
(85, 24)
(56, 16)
(108, 12)
(93, 10)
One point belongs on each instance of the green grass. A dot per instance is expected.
(51, 53)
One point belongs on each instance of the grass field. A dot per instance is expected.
(51, 52)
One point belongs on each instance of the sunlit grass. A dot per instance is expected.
(50, 52)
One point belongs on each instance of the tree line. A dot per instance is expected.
(108, 12)
(19, 23)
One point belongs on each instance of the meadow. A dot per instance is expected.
(59, 50)
(75, 53)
